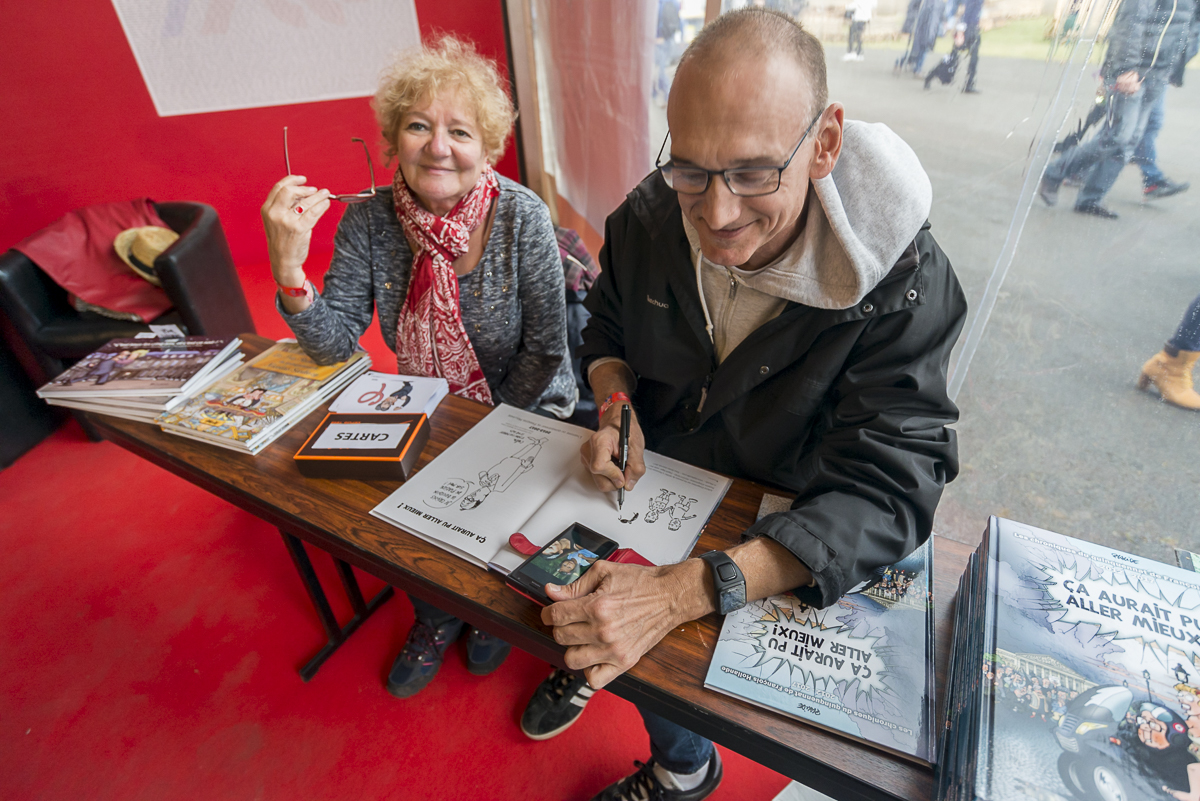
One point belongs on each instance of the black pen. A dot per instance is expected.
(624, 452)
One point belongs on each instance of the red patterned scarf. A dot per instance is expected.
(430, 337)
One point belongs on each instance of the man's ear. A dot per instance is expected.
(828, 137)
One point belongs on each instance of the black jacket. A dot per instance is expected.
(848, 409)
(1149, 36)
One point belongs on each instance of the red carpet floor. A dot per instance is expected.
(149, 640)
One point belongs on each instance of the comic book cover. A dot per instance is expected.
(859, 667)
(375, 392)
(265, 391)
(140, 367)
(1092, 673)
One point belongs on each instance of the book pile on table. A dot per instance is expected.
(1075, 674)
(140, 378)
(862, 667)
(252, 406)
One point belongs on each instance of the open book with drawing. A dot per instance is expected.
(519, 472)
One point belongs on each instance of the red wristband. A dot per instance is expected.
(613, 398)
(296, 292)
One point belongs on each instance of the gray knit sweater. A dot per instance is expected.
(513, 303)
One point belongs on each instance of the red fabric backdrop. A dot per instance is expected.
(79, 127)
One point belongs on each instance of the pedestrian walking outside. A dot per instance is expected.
(1148, 40)
(859, 13)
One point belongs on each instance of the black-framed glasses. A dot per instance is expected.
(742, 181)
(357, 197)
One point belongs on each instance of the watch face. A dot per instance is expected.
(733, 598)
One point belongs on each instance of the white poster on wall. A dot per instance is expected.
(217, 55)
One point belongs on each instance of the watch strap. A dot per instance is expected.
(728, 580)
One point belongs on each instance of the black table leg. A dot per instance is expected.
(336, 633)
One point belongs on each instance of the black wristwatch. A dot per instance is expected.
(729, 581)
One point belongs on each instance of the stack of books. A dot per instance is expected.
(143, 377)
(252, 406)
(1075, 674)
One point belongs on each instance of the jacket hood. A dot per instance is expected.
(861, 218)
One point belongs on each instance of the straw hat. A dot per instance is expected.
(139, 247)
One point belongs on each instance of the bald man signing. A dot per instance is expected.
(773, 305)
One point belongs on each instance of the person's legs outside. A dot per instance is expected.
(1125, 123)
(683, 767)
(1078, 159)
(1145, 155)
(973, 39)
(917, 59)
(854, 41)
(1187, 336)
(1170, 370)
(1155, 183)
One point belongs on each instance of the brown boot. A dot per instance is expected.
(1172, 377)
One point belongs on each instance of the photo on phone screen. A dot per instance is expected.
(563, 560)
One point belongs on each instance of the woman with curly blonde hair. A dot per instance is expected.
(460, 264)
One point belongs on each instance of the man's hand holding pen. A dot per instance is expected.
(601, 454)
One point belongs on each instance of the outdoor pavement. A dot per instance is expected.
(1054, 432)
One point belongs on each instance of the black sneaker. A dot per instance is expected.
(1096, 210)
(645, 785)
(485, 653)
(421, 657)
(556, 704)
(1164, 188)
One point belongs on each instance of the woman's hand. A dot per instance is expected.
(289, 214)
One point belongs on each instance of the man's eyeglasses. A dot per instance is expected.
(742, 181)
(358, 197)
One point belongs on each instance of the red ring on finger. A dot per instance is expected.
(299, 209)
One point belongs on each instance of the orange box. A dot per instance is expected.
(367, 447)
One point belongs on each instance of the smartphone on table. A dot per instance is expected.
(561, 561)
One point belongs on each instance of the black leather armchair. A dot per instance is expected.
(47, 335)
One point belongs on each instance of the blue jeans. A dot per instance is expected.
(674, 747)
(1146, 155)
(1103, 156)
(1187, 337)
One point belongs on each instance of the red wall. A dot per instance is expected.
(79, 127)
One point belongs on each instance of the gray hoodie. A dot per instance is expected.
(866, 212)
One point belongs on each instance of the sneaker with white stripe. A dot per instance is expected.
(556, 704)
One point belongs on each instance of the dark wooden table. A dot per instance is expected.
(333, 516)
